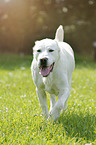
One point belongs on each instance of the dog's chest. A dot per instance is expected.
(50, 86)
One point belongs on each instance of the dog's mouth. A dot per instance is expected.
(45, 70)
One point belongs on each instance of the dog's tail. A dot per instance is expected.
(59, 36)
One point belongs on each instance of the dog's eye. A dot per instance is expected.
(51, 50)
(38, 50)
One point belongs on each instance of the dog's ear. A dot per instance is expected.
(36, 42)
(59, 36)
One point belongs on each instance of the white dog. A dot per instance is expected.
(52, 68)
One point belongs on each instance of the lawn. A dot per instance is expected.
(21, 119)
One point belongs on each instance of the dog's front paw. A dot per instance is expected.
(53, 116)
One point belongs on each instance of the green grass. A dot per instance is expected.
(21, 120)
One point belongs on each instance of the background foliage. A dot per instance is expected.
(22, 22)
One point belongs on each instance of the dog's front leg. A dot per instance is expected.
(60, 104)
(52, 101)
(43, 101)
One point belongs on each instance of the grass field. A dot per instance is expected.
(21, 120)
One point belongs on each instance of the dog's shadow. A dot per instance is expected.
(79, 125)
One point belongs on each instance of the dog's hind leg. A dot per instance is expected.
(52, 101)
(43, 101)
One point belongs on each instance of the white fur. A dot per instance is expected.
(58, 82)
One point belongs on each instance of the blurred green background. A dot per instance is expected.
(24, 21)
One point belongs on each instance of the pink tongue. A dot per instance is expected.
(44, 71)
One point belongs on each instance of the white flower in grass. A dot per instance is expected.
(90, 107)
(84, 87)
(6, 109)
(81, 96)
(79, 104)
(10, 73)
(72, 108)
(23, 96)
(91, 100)
(23, 68)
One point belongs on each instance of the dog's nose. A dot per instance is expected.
(43, 61)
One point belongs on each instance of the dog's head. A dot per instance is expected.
(46, 54)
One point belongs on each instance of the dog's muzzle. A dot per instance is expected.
(44, 69)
